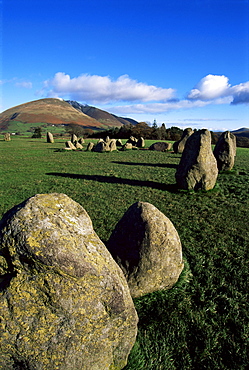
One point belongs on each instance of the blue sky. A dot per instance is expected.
(184, 63)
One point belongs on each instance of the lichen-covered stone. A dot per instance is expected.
(70, 145)
(81, 140)
(198, 167)
(64, 302)
(179, 145)
(112, 145)
(141, 142)
(90, 147)
(161, 146)
(78, 145)
(101, 147)
(74, 138)
(7, 137)
(50, 137)
(127, 146)
(225, 151)
(148, 249)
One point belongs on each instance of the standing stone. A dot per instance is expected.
(74, 138)
(112, 145)
(119, 142)
(179, 145)
(81, 140)
(90, 147)
(64, 302)
(148, 249)
(132, 140)
(141, 142)
(225, 151)
(198, 167)
(7, 137)
(78, 145)
(50, 138)
(70, 145)
(101, 147)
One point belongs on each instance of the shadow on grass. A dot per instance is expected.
(147, 164)
(117, 180)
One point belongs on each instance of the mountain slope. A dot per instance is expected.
(102, 116)
(244, 132)
(49, 111)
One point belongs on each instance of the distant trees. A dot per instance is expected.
(142, 129)
(78, 130)
(37, 133)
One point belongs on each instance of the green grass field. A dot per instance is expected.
(203, 321)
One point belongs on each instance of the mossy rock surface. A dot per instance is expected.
(148, 249)
(225, 151)
(197, 169)
(64, 302)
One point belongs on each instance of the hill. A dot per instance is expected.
(50, 111)
(46, 111)
(241, 132)
(102, 116)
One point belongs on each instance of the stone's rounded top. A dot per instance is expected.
(147, 247)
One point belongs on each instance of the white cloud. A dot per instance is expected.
(240, 93)
(210, 87)
(157, 107)
(101, 89)
(218, 90)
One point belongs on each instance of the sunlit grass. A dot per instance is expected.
(201, 323)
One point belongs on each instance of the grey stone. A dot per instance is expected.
(132, 140)
(127, 146)
(101, 147)
(90, 147)
(50, 138)
(81, 140)
(161, 146)
(70, 145)
(78, 145)
(148, 249)
(179, 145)
(65, 303)
(112, 145)
(141, 142)
(119, 142)
(198, 168)
(7, 137)
(74, 138)
(225, 151)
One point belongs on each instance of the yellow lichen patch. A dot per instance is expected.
(3, 265)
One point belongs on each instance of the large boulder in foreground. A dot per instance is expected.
(148, 249)
(198, 168)
(64, 301)
(225, 151)
(179, 145)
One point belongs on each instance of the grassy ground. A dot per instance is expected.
(201, 323)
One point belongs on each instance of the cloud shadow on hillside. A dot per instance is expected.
(164, 165)
(117, 180)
